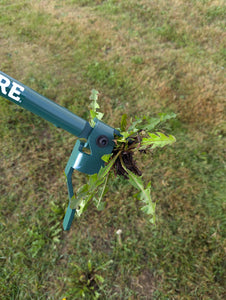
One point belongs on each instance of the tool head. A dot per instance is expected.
(100, 142)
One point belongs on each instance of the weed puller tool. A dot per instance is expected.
(98, 139)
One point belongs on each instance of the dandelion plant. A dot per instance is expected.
(136, 136)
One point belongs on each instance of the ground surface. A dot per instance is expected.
(144, 57)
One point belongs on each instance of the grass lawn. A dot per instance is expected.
(144, 57)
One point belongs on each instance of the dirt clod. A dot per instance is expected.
(129, 162)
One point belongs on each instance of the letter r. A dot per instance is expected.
(4, 83)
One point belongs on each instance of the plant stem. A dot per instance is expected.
(103, 190)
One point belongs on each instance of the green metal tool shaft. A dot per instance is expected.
(27, 98)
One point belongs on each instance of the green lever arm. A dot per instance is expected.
(24, 96)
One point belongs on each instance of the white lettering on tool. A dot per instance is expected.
(15, 90)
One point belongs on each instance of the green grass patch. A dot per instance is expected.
(144, 58)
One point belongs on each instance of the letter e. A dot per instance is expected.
(16, 89)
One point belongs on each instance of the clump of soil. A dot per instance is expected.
(128, 160)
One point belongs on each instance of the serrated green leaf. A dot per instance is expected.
(92, 114)
(144, 194)
(106, 157)
(149, 209)
(74, 202)
(99, 115)
(105, 170)
(123, 122)
(94, 96)
(102, 192)
(92, 181)
(157, 139)
(134, 126)
(149, 123)
(94, 106)
(124, 136)
(82, 206)
(99, 205)
(164, 116)
(87, 191)
(136, 181)
(149, 185)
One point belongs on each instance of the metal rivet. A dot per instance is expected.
(102, 141)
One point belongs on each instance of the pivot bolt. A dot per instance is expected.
(102, 141)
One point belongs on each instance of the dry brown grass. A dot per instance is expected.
(171, 55)
(166, 73)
